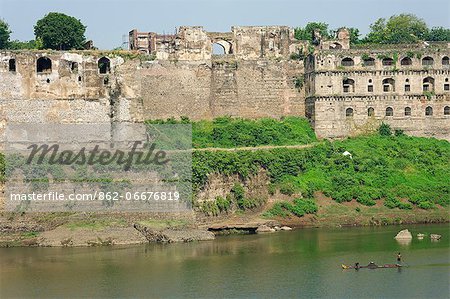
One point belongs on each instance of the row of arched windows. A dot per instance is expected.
(390, 111)
(348, 85)
(44, 65)
(369, 61)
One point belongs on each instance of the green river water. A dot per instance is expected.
(304, 263)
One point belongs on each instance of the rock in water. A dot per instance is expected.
(264, 229)
(435, 237)
(404, 235)
(286, 228)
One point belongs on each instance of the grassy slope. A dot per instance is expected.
(394, 168)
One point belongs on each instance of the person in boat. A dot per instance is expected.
(356, 265)
(399, 258)
(372, 265)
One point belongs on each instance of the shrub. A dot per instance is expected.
(299, 207)
(426, 205)
(287, 188)
(385, 130)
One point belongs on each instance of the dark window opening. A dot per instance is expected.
(348, 85)
(447, 110)
(370, 112)
(388, 61)
(427, 61)
(406, 61)
(104, 65)
(388, 85)
(12, 65)
(48, 80)
(105, 80)
(370, 88)
(349, 112)
(389, 111)
(407, 111)
(347, 62)
(74, 66)
(428, 84)
(428, 111)
(407, 87)
(446, 87)
(79, 78)
(369, 61)
(44, 65)
(446, 61)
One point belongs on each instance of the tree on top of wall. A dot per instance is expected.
(60, 32)
(4, 34)
(439, 34)
(307, 33)
(403, 28)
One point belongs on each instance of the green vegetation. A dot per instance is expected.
(60, 32)
(391, 167)
(307, 33)
(227, 132)
(402, 28)
(299, 207)
(4, 34)
(235, 200)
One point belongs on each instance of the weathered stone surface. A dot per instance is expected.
(404, 235)
(170, 235)
(264, 229)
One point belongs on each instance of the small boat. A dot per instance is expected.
(372, 265)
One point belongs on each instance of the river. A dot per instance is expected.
(303, 263)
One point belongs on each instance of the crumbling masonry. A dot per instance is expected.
(261, 72)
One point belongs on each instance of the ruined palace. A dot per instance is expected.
(260, 71)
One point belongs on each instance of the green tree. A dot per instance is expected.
(403, 28)
(354, 36)
(439, 34)
(307, 32)
(25, 45)
(60, 32)
(4, 34)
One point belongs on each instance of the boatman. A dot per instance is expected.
(399, 258)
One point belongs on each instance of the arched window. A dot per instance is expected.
(347, 62)
(389, 111)
(406, 61)
(104, 65)
(428, 84)
(348, 85)
(407, 86)
(349, 112)
(445, 61)
(387, 61)
(388, 85)
(44, 65)
(447, 110)
(407, 111)
(429, 111)
(427, 60)
(369, 61)
(221, 47)
(446, 85)
(370, 112)
(12, 65)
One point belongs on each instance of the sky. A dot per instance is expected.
(108, 21)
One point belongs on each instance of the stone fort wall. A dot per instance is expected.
(258, 75)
